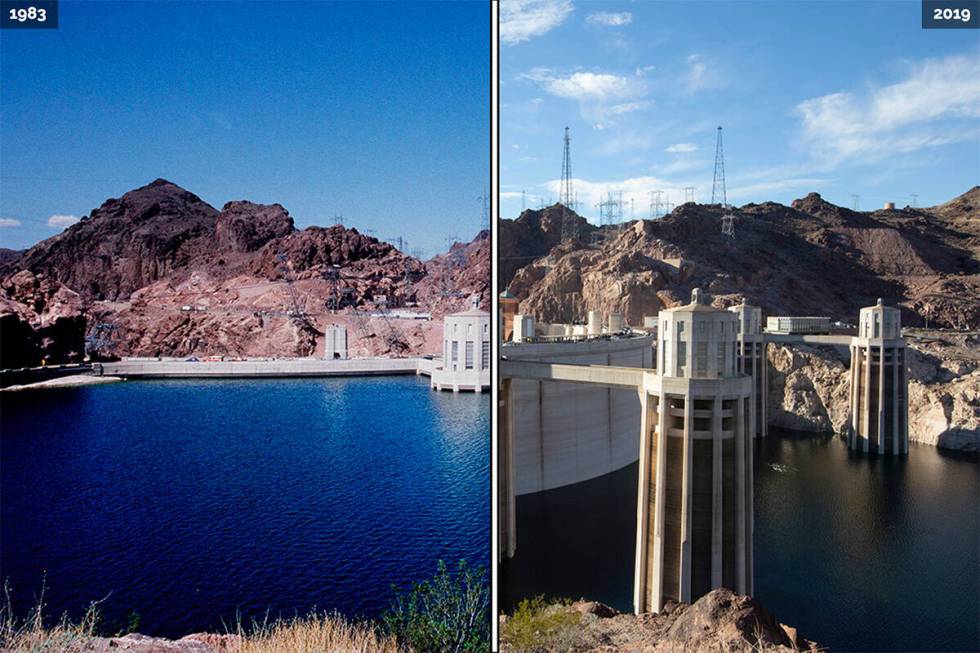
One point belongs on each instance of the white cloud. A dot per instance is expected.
(763, 191)
(9, 222)
(600, 95)
(936, 104)
(522, 20)
(681, 148)
(62, 221)
(510, 195)
(609, 19)
(643, 70)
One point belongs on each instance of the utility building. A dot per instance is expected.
(752, 361)
(465, 352)
(694, 503)
(335, 342)
(879, 383)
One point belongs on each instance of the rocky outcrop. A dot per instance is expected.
(808, 389)
(136, 643)
(40, 321)
(719, 621)
(246, 226)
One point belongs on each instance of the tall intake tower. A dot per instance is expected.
(694, 503)
(751, 347)
(879, 383)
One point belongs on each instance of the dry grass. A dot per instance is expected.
(316, 633)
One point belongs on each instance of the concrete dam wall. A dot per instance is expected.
(568, 432)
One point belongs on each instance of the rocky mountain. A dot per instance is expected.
(160, 272)
(811, 258)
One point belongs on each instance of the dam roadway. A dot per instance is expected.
(298, 367)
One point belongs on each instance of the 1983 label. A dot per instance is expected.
(28, 14)
(950, 14)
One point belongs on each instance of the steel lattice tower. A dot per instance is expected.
(566, 195)
(718, 193)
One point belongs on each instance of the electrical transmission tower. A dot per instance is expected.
(485, 210)
(855, 201)
(338, 218)
(718, 193)
(523, 201)
(688, 194)
(915, 201)
(728, 225)
(566, 196)
(656, 201)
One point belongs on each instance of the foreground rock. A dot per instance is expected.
(136, 643)
(719, 621)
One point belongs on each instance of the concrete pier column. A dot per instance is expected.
(687, 503)
(866, 402)
(643, 501)
(741, 471)
(506, 497)
(896, 447)
(717, 498)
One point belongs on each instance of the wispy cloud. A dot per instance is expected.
(600, 95)
(701, 74)
(9, 222)
(936, 104)
(763, 191)
(681, 148)
(62, 221)
(609, 19)
(522, 20)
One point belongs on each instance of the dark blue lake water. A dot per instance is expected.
(860, 553)
(189, 501)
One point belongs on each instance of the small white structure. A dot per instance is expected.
(335, 342)
(465, 352)
(595, 323)
(879, 383)
(523, 328)
(791, 324)
(616, 323)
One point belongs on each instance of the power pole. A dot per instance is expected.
(855, 201)
(485, 210)
(718, 193)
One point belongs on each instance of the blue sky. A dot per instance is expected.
(840, 98)
(377, 111)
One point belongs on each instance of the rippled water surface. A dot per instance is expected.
(189, 501)
(860, 553)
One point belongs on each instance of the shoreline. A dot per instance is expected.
(73, 381)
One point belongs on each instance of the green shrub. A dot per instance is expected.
(449, 613)
(537, 625)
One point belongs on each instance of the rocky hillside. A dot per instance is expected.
(811, 258)
(719, 621)
(159, 272)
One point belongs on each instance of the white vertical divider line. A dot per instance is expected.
(495, 326)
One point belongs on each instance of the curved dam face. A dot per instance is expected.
(565, 433)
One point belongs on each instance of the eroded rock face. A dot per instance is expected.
(40, 321)
(809, 389)
(246, 226)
